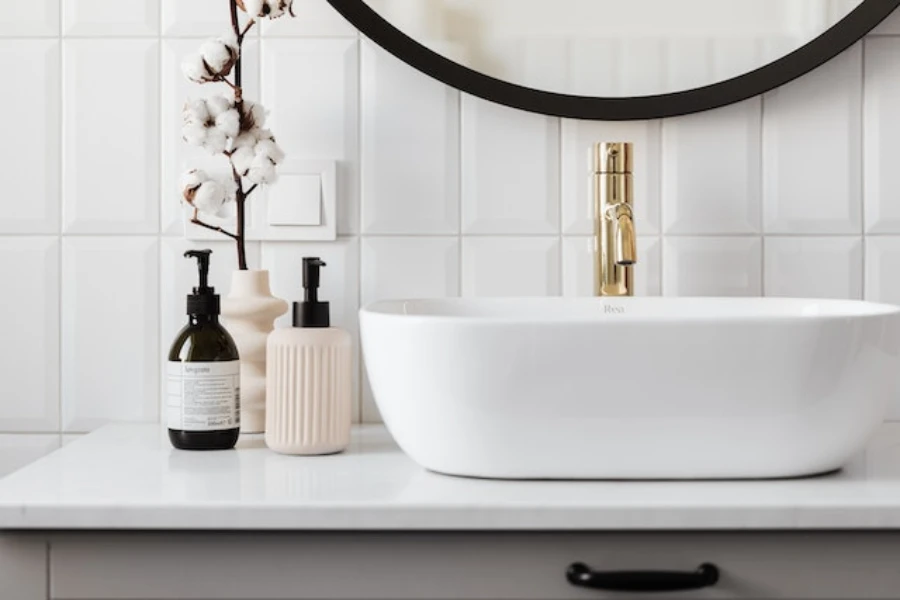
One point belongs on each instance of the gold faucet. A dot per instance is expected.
(615, 248)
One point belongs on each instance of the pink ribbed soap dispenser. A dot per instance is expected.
(309, 378)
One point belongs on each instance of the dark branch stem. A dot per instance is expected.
(236, 26)
(250, 190)
(246, 30)
(200, 223)
(231, 85)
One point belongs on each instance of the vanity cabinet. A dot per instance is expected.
(459, 565)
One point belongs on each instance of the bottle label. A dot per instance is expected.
(203, 396)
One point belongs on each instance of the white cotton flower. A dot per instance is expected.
(254, 8)
(217, 105)
(246, 139)
(194, 68)
(278, 8)
(195, 110)
(254, 115)
(191, 180)
(209, 197)
(262, 170)
(194, 133)
(242, 159)
(216, 141)
(219, 55)
(229, 122)
(269, 149)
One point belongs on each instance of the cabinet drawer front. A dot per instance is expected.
(427, 566)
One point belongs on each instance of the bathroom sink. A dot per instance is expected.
(632, 388)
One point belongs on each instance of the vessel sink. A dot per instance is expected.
(632, 388)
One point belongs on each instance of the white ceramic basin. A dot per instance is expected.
(632, 388)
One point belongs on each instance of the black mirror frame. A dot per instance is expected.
(829, 44)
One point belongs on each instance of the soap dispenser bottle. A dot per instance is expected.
(309, 378)
(203, 405)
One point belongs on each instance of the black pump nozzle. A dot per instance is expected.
(204, 300)
(311, 312)
(202, 257)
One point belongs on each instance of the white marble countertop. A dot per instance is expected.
(128, 476)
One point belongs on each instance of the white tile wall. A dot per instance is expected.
(30, 200)
(812, 159)
(441, 194)
(111, 136)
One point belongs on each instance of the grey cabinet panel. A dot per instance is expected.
(424, 566)
(23, 567)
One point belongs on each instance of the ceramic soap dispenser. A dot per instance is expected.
(309, 378)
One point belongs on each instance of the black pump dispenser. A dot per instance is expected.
(204, 301)
(311, 312)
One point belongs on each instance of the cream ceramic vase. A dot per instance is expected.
(249, 312)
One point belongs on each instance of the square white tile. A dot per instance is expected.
(510, 266)
(814, 267)
(189, 18)
(20, 450)
(30, 199)
(883, 269)
(34, 17)
(706, 190)
(410, 149)
(120, 19)
(339, 286)
(812, 163)
(110, 331)
(311, 88)
(712, 266)
(578, 266)
(111, 136)
(314, 18)
(406, 267)
(29, 270)
(882, 135)
(510, 170)
(409, 267)
(577, 204)
(178, 156)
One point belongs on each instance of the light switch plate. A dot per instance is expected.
(270, 215)
(296, 201)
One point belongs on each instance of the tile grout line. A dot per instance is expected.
(862, 171)
(160, 198)
(360, 367)
(60, 170)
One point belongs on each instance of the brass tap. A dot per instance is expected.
(615, 248)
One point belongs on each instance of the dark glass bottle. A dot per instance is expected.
(203, 402)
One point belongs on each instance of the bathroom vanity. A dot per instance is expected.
(121, 515)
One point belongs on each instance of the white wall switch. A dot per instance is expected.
(296, 201)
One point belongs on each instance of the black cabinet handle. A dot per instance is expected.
(581, 575)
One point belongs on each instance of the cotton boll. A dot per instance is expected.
(262, 170)
(216, 141)
(195, 69)
(194, 133)
(219, 55)
(254, 115)
(270, 150)
(254, 8)
(242, 159)
(191, 180)
(229, 122)
(247, 139)
(195, 111)
(217, 105)
(209, 197)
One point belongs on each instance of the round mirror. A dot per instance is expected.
(613, 60)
